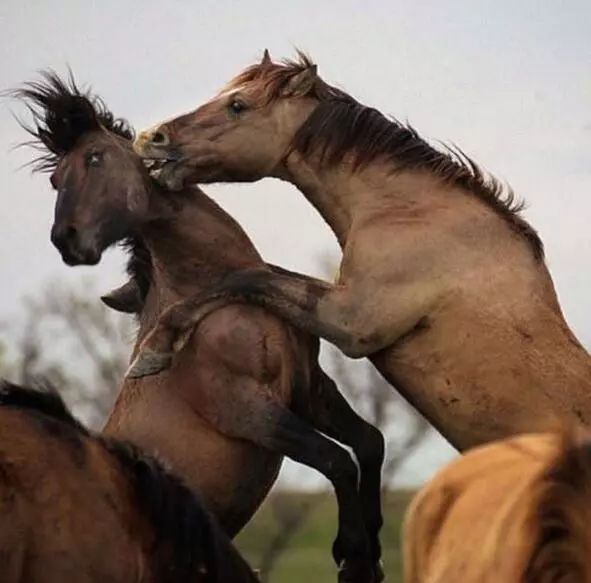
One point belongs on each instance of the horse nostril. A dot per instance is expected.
(159, 139)
(71, 234)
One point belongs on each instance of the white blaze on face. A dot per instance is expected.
(228, 91)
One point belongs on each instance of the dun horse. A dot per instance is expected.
(247, 389)
(516, 511)
(442, 284)
(78, 507)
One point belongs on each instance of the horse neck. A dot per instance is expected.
(193, 244)
(345, 197)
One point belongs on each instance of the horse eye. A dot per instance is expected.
(94, 158)
(236, 106)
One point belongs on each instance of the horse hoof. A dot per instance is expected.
(357, 572)
(149, 363)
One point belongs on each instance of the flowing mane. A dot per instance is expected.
(341, 126)
(268, 79)
(62, 114)
(43, 399)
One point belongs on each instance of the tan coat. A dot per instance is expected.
(514, 511)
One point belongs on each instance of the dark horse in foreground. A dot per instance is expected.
(80, 507)
(247, 389)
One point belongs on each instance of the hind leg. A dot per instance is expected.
(331, 413)
(277, 429)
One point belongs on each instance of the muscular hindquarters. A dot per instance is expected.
(243, 359)
(190, 416)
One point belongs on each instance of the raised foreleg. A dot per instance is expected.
(345, 315)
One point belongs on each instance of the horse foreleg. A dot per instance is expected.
(277, 429)
(341, 314)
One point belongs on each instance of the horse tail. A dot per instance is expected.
(562, 514)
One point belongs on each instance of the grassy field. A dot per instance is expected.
(308, 557)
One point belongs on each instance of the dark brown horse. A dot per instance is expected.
(81, 507)
(246, 389)
(442, 283)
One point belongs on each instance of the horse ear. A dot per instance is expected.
(126, 299)
(266, 60)
(302, 83)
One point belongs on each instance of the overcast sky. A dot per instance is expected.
(509, 82)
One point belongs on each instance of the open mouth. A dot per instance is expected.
(156, 165)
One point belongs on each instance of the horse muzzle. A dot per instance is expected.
(74, 249)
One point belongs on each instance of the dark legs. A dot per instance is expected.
(332, 414)
(276, 428)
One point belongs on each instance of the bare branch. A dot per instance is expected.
(74, 341)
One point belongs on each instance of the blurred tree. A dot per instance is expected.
(73, 341)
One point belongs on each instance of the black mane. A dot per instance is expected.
(139, 264)
(62, 113)
(185, 532)
(44, 399)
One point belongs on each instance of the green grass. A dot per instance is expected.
(308, 557)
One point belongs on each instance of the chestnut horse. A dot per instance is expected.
(516, 511)
(80, 507)
(247, 389)
(442, 284)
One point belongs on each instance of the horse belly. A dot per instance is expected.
(231, 475)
